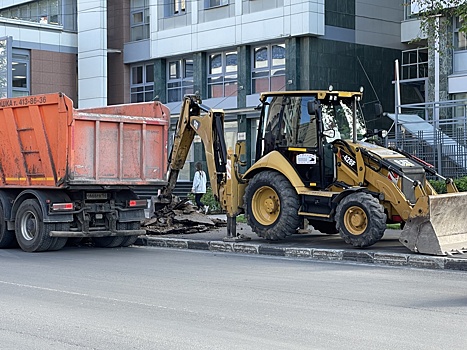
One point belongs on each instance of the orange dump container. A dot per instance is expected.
(44, 142)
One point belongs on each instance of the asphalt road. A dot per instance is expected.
(154, 298)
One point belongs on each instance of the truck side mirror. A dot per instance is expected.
(331, 133)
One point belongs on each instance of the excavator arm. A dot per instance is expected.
(198, 119)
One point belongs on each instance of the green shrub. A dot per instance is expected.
(207, 199)
(440, 185)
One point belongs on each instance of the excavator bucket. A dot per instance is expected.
(437, 225)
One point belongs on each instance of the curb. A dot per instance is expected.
(319, 254)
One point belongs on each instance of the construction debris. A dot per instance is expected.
(180, 218)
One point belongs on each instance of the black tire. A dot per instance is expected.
(31, 232)
(59, 242)
(360, 219)
(129, 240)
(327, 227)
(7, 237)
(74, 241)
(271, 206)
(108, 242)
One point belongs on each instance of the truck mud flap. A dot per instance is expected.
(437, 225)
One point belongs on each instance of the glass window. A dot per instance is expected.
(55, 12)
(460, 107)
(137, 17)
(142, 83)
(214, 3)
(20, 73)
(415, 63)
(222, 74)
(179, 79)
(268, 72)
(137, 75)
(174, 69)
(139, 20)
(179, 6)
(460, 38)
(4, 68)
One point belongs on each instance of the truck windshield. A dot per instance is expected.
(286, 121)
(337, 115)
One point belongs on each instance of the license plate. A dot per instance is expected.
(95, 195)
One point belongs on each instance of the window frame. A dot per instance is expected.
(146, 86)
(457, 35)
(209, 4)
(183, 82)
(224, 77)
(269, 70)
(45, 12)
(144, 24)
(21, 57)
(178, 7)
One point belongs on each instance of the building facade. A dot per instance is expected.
(433, 86)
(229, 51)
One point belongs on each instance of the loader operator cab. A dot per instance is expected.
(302, 126)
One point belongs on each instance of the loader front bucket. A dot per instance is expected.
(437, 225)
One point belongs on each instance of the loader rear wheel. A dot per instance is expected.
(32, 233)
(271, 206)
(360, 219)
(7, 237)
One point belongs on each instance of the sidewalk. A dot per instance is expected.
(313, 246)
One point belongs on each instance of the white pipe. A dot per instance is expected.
(398, 87)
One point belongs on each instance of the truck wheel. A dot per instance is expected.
(108, 242)
(32, 233)
(271, 206)
(327, 227)
(360, 219)
(59, 242)
(129, 240)
(7, 237)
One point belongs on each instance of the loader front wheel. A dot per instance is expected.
(271, 206)
(360, 219)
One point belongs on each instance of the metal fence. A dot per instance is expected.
(435, 133)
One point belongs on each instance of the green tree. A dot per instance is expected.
(431, 10)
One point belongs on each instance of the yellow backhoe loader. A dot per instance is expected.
(314, 166)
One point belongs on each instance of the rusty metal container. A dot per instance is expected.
(44, 142)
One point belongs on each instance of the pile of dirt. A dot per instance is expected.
(178, 219)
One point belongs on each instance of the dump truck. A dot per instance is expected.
(67, 173)
(316, 164)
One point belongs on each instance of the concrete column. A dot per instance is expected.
(243, 74)
(160, 79)
(292, 64)
(92, 53)
(309, 72)
(200, 74)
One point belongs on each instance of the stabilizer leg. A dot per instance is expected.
(232, 235)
